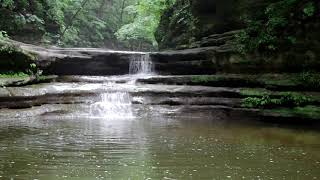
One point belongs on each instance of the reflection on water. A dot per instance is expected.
(159, 143)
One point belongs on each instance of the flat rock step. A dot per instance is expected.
(158, 91)
(83, 88)
(281, 82)
(72, 93)
(178, 101)
(190, 112)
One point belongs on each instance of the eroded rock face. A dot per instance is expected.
(80, 61)
(193, 61)
(103, 64)
(201, 60)
(92, 61)
(201, 96)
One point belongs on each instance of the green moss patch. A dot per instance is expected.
(312, 112)
(262, 98)
(288, 100)
(205, 78)
(304, 81)
(14, 75)
(15, 60)
(277, 79)
(255, 92)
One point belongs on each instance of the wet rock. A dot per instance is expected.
(4, 92)
(223, 41)
(219, 80)
(192, 61)
(24, 81)
(200, 101)
(64, 93)
(80, 61)
(274, 82)
(198, 61)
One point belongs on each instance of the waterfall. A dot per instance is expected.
(112, 105)
(117, 105)
(141, 64)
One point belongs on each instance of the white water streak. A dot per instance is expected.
(113, 105)
(117, 105)
(141, 64)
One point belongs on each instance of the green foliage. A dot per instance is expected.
(73, 23)
(34, 70)
(267, 101)
(309, 9)
(3, 35)
(147, 15)
(273, 29)
(254, 92)
(179, 27)
(309, 80)
(8, 48)
(7, 3)
(14, 75)
(14, 60)
(185, 18)
(255, 102)
(18, 17)
(203, 78)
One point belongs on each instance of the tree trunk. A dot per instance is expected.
(84, 2)
(122, 11)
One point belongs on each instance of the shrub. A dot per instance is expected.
(14, 60)
(287, 100)
(309, 80)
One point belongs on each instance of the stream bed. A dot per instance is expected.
(109, 128)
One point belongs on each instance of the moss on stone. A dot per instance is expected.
(279, 82)
(259, 92)
(205, 78)
(14, 75)
(254, 92)
(303, 81)
(277, 79)
(309, 80)
(312, 112)
(262, 98)
(14, 59)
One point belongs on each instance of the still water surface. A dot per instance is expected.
(157, 143)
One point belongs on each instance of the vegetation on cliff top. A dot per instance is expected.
(282, 24)
(94, 23)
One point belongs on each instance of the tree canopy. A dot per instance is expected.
(83, 23)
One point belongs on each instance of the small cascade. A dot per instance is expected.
(113, 105)
(117, 105)
(141, 65)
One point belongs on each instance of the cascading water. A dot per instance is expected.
(117, 105)
(112, 105)
(141, 65)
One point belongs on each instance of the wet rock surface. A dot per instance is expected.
(76, 94)
(190, 80)
(213, 54)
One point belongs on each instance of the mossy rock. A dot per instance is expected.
(13, 59)
(308, 112)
